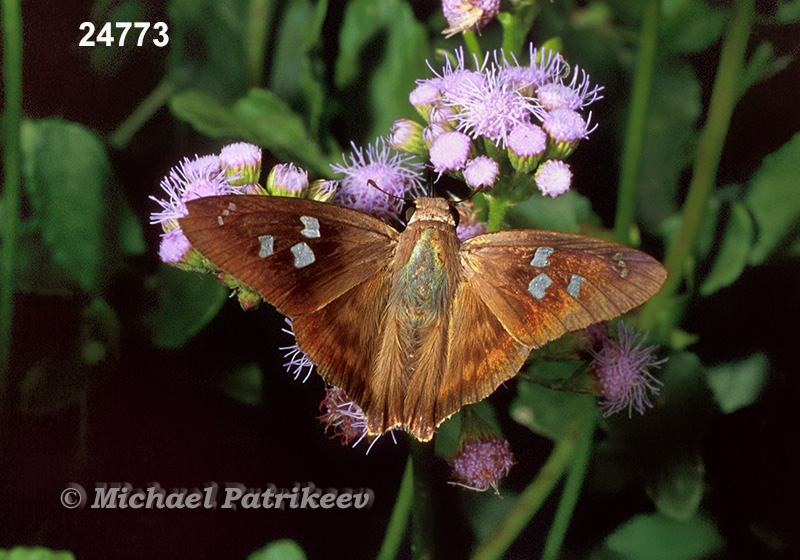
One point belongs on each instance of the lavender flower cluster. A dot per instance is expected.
(503, 118)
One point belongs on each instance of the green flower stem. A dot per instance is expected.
(422, 519)
(707, 156)
(637, 119)
(399, 519)
(471, 41)
(517, 25)
(572, 487)
(12, 169)
(535, 494)
(146, 109)
(497, 212)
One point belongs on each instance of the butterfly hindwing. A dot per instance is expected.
(298, 254)
(541, 284)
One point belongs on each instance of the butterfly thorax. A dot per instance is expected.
(425, 275)
(425, 265)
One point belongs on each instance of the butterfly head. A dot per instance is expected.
(428, 209)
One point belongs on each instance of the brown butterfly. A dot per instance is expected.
(413, 325)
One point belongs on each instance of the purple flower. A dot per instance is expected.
(285, 179)
(202, 166)
(502, 95)
(431, 132)
(473, 15)
(491, 109)
(553, 177)
(546, 66)
(344, 416)
(526, 145)
(565, 128)
(481, 172)
(173, 246)
(574, 96)
(393, 172)
(188, 180)
(622, 369)
(406, 136)
(323, 190)
(481, 463)
(450, 151)
(241, 162)
(424, 96)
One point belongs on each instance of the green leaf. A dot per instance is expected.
(788, 11)
(182, 305)
(678, 489)
(294, 75)
(244, 384)
(35, 271)
(670, 136)
(283, 549)
(655, 537)
(130, 236)
(567, 212)
(403, 57)
(544, 411)
(732, 256)
(689, 26)
(68, 181)
(35, 553)
(207, 46)
(261, 118)
(772, 198)
(737, 385)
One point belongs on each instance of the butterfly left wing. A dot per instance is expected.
(298, 254)
(541, 284)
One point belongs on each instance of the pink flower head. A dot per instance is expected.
(450, 151)
(577, 95)
(393, 172)
(481, 463)
(622, 369)
(344, 416)
(481, 172)
(285, 179)
(241, 162)
(553, 177)
(491, 109)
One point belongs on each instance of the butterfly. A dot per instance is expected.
(413, 325)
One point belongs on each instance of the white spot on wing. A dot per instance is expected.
(220, 221)
(303, 255)
(266, 245)
(540, 257)
(574, 286)
(538, 285)
(311, 228)
(231, 206)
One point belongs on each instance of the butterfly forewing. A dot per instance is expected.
(542, 284)
(298, 254)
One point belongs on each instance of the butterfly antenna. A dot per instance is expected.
(375, 185)
(469, 196)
